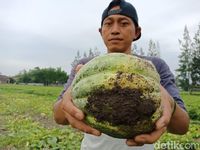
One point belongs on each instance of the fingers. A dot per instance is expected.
(161, 124)
(81, 125)
(146, 138)
(166, 108)
(150, 138)
(72, 110)
(164, 120)
(78, 67)
(132, 142)
(75, 116)
(68, 106)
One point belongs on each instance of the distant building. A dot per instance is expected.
(4, 79)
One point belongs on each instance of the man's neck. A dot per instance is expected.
(128, 51)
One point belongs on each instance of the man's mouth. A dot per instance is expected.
(115, 39)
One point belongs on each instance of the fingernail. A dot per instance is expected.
(97, 133)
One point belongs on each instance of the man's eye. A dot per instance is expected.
(107, 23)
(124, 23)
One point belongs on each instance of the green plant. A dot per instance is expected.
(26, 121)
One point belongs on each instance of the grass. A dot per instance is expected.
(26, 121)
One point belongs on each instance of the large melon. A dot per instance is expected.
(119, 94)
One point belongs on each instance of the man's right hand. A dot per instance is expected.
(65, 112)
(75, 116)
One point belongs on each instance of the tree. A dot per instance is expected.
(12, 80)
(158, 49)
(141, 52)
(134, 49)
(96, 52)
(23, 77)
(84, 55)
(185, 58)
(195, 64)
(153, 49)
(76, 59)
(45, 75)
(137, 51)
(91, 53)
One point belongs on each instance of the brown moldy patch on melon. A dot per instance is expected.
(120, 106)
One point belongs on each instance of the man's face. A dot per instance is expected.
(118, 32)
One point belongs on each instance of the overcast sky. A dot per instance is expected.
(48, 33)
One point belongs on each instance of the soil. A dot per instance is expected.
(3, 130)
(45, 121)
(120, 106)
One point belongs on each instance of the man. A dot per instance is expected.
(119, 27)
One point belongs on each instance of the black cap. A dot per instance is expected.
(126, 9)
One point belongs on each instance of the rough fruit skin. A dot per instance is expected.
(118, 71)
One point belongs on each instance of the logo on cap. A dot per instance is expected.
(114, 11)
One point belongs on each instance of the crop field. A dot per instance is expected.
(26, 121)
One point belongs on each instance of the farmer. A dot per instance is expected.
(119, 28)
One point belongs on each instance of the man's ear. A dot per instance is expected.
(138, 32)
(100, 31)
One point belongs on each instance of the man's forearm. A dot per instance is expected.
(179, 122)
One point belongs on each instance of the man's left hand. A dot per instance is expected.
(161, 124)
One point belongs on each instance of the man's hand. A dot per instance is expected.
(75, 116)
(161, 125)
(66, 112)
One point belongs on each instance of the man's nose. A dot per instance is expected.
(115, 29)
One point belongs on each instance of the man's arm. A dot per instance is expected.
(178, 123)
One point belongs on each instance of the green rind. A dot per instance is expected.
(106, 81)
(125, 71)
(117, 61)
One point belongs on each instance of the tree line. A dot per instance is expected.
(153, 50)
(46, 76)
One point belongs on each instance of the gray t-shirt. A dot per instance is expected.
(105, 142)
